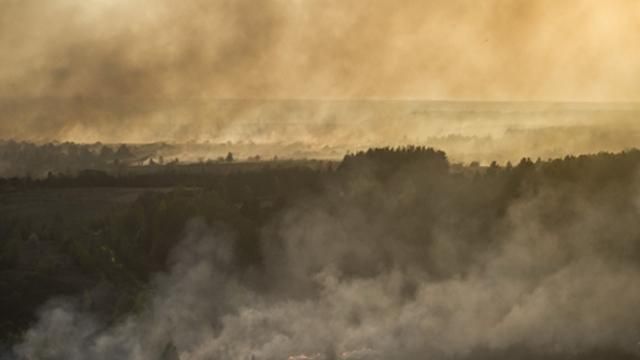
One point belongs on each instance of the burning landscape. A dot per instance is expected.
(319, 180)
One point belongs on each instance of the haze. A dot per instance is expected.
(319, 179)
(144, 71)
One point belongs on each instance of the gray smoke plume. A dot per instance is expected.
(358, 281)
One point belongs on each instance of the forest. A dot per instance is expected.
(26, 159)
(391, 253)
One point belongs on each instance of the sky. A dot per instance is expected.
(113, 69)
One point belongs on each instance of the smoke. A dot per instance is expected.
(144, 70)
(377, 270)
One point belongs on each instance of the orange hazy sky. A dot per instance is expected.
(96, 65)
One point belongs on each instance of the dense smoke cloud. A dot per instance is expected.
(148, 70)
(376, 270)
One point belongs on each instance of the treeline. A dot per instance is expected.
(384, 162)
(30, 160)
(196, 175)
(26, 159)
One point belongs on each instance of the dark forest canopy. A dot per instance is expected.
(406, 211)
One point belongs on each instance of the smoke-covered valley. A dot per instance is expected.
(300, 179)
